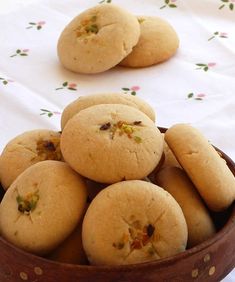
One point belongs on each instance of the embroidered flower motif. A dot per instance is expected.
(131, 90)
(198, 97)
(169, 3)
(68, 85)
(105, 1)
(228, 3)
(5, 81)
(49, 113)
(218, 34)
(205, 67)
(37, 25)
(20, 52)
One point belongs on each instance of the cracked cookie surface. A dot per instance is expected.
(110, 143)
(158, 42)
(204, 166)
(42, 207)
(84, 102)
(27, 149)
(131, 222)
(98, 39)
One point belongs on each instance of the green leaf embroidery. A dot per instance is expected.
(126, 89)
(39, 27)
(190, 95)
(44, 110)
(5, 82)
(206, 68)
(172, 6)
(32, 23)
(201, 65)
(65, 83)
(23, 54)
(71, 88)
(221, 7)
(18, 51)
(50, 114)
(133, 93)
(198, 98)
(167, 1)
(231, 5)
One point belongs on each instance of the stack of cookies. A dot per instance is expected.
(107, 35)
(110, 189)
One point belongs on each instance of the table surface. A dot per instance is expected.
(195, 86)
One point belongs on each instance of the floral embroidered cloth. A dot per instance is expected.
(196, 86)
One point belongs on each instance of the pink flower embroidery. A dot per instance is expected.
(198, 97)
(20, 52)
(132, 90)
(205, 67)
(135, 88)
(211, 64)
(169, 3)
(218, 34)
(68, 85)
(37, 25)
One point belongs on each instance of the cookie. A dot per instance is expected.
(42, 207)
(133, 222)
(170, 159)
(98, 39)
(84, 102)
(27, 149)
(158, 42)
(110, 143)
(71, 250)
(200, 225)
(205, 167)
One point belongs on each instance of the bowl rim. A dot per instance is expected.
(228, 226)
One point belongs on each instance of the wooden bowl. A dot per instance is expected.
(209, 261)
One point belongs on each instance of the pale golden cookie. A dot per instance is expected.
(110, 143)
(158, 42)
(98, 39)
(133, 222)
(207, 170)
(170, 159)
(84, 102)
(27, 149)
(42, 207)
(71, 250)
(200, 225)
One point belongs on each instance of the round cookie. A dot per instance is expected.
(27, 149)
(109, 143)
(200, 225)
(71, 250)
(98, 39)
(133, 222)
(158, 42)
(84, 102)
(207, 170)
(42, 207)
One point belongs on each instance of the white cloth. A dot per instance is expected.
(180, 90)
